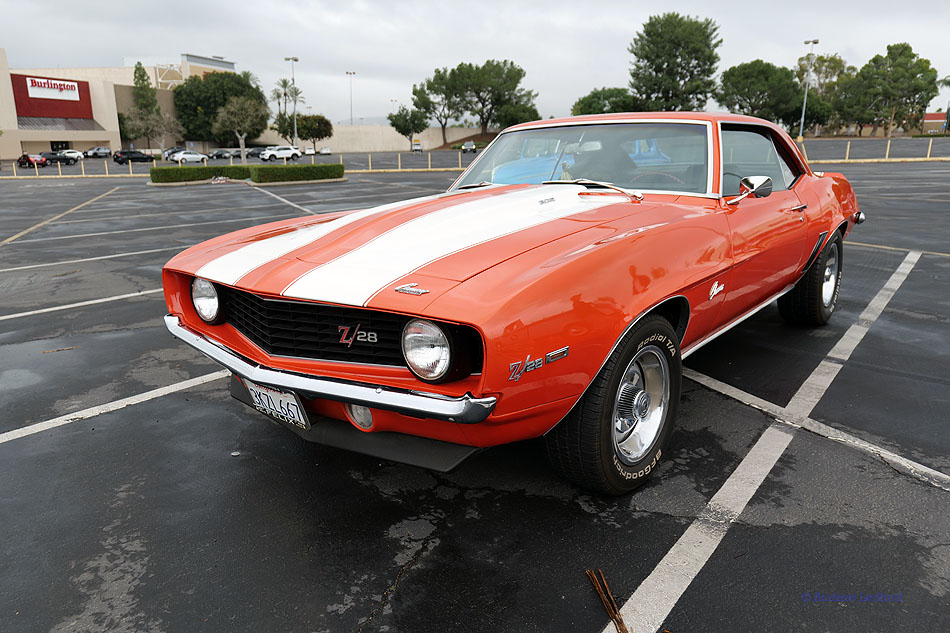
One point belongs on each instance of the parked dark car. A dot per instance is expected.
(123, 156)
(58, 157)
(28, 160)
(223, 153)
(254, 152)
(171, 150)
(98, 152)
(469, 146)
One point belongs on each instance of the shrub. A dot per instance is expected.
(288, 173)
(199, 172)
(257, 173)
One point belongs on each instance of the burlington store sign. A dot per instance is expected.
(52, 89)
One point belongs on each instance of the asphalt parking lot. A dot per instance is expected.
(806, 488)
(442, 159)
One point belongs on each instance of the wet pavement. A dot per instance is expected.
(189, 512)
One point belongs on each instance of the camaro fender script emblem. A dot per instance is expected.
(360, 336)
(518, 368)
(715, 290)
(410, 289)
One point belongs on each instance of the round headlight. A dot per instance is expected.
(426, 349)
(205, 299)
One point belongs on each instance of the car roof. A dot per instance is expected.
(621, 117)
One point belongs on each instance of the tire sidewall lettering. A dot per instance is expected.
(630, 475)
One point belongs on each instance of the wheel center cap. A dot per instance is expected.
(641, 405)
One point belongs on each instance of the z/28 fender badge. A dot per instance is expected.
(518, 368)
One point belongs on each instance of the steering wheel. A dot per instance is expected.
(656, 173)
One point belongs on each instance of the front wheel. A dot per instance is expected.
(815, 297)
(614, 437)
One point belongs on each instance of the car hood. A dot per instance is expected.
(421, 246)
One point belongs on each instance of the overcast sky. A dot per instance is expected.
(566, 48)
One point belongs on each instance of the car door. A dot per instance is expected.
(768, 234)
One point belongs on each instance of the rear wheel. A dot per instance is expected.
(614, 437)
(815, 297)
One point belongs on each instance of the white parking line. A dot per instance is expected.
(285, 201)
(656, 596)
(915, 469)
(55, 217)
(164, 213)
(815, 386)
(158, 228)
(39, 427)
(93, 259)
(69, 306)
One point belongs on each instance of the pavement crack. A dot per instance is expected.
(424, 549)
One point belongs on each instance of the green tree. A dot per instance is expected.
(171, 129)
(408, 122)
(125, 132)
(488, 87)
(242, 116)
(144, 95)
(826, 70)
(313, 128)
(283, 124)
(147, 124)
(439, 97)
(901, 85)
(199, 98)
(674, 62)
(603, 101)
(515, 113)
(761, 89)
(852, 103)
(818, 111)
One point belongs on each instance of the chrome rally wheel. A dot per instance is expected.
(641, 404)
(614, 437)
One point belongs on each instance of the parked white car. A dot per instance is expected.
(325, 151)
(75, 154)
(281, 151)
(188, 156)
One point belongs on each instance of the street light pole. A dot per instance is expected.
(350, 73)
(801, 126)
(294, 84)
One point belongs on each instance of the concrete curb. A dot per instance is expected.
(933, 159)
(295, 182)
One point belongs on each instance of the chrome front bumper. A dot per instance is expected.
(466, 409)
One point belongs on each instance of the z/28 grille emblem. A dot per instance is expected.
(360, 336)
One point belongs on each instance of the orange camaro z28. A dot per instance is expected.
(552, 291)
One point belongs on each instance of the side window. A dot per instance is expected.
(751, 151)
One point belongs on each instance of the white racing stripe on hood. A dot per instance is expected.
(353, 278)
(228, 269)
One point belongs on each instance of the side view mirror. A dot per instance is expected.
(756, 186)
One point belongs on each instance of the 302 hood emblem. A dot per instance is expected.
(411, 289)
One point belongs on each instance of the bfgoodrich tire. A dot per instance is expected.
(614, 437)
(815, 297)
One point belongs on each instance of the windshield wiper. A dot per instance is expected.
(630, 193)
(475, 185)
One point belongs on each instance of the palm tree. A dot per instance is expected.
(295, 96)
(284, 85)
(278, 96)
(251, 78)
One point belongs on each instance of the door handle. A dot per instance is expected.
(800, 207)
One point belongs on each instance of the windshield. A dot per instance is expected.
(642, 156)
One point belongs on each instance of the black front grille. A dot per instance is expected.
(313, 330)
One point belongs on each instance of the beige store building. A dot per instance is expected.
(44, 109)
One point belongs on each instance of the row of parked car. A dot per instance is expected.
(173, 154)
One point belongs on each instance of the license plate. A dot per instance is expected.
(282, 405)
